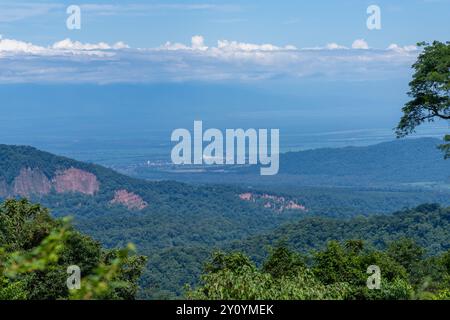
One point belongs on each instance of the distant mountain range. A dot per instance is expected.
(409, 160)
(406, 162)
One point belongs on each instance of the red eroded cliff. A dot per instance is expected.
(31, 182)
(76, 180)
(129, 200)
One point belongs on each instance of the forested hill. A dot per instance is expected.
(407, 160)
(177, 225)
(27, 171)
(164, 212)
(427, 224)
(116, 209)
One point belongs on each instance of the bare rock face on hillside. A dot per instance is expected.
(272, 202)
(76, 180)
(246, 196)
(31, 182)
(129, 199)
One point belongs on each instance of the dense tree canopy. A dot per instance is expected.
(36, 250)
(337, 272)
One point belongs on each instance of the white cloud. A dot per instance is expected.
(120, 45)
(335, 46)
(70, 60)
(68, 44)
(360, 44)
(174, 46)
(395, 47)
(242, 46)
(198, 43)
(224, 46)
(15, 46)
(66, 47)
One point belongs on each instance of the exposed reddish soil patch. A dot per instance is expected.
(129, 199)
(246, 196)
(276, 203)
(76, 180)
(31, 182)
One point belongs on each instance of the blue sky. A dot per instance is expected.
(300, 23)
(303, 65)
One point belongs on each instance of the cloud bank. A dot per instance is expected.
(228, 60)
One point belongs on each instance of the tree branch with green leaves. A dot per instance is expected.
(429, 90)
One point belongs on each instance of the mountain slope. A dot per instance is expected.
(88, 190)
(427, 224)
(116, 209)
(409, 160)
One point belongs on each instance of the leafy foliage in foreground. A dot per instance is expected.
(337, 272)
(35, 251)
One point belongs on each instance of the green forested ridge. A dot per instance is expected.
(400, 161)
(354, 201)
(427, 224)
